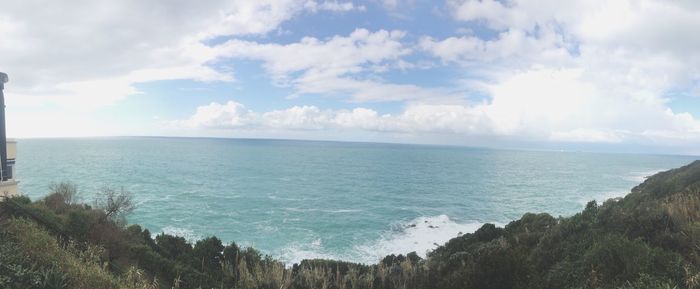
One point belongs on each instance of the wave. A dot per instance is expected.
(640, 177)
(602, 197)
(337, 211)
(294, 253)
(635, 178)
(188, 234)
(276, 197)
(419, 235)
(340, 211)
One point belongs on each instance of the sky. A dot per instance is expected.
(555, 75)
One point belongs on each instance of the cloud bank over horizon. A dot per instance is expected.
(619, 74)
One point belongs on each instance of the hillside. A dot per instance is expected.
(648, 239)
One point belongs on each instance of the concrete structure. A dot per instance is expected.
(8, 150)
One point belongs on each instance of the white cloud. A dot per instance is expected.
(390, 4)
(567, 105)
(609, 31)
(340, 65)
(228, 115)
(539, 104)
(234, 115)
(333, 6)
(494, 13)
(335, 56)
(88, 54)
(337, 65)
(582, 135)
(298, 117)
(512, 49)
(580, 71)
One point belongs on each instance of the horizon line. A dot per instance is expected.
(500, 148)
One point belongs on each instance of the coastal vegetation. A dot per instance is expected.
(648, 239)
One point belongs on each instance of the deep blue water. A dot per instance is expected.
(351, 201)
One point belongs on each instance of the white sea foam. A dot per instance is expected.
(188, 234)
(276, 197)
(420, 235)
(338, 211)
(634, 177)
(601, 198)
(294, 253)
(639, 177)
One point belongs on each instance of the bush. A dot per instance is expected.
(114, 203)
(207, 254)
(615, 259)
(62, 196)
(174, 247)
(37, 245)
(80, 223)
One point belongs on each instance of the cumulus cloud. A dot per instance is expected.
(512, 49)
(88, 54)
(334, 6)
(336, 56)
(233, 115)
(580, 71)
(583, 135)
(644, 37)
(337, 65)
(560, 105)
(228, 115)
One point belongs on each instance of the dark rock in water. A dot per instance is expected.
(412, 225)
(425, 222)
(433, 227)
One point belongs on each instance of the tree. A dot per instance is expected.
(208, 253)
(115, 204)
(62, 196)
(174, 246)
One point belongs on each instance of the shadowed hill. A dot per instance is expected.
(648, 239)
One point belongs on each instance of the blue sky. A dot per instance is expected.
(598, 75)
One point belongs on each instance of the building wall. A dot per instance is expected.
(11, 149)
(8, 189)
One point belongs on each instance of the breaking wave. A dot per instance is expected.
(188, 234)
(419, 235)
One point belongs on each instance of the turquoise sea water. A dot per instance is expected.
(351, 201)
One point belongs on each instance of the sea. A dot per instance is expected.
(356, 202)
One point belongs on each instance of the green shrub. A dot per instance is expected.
(37, 245)
(175, 247)
(207, 254)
